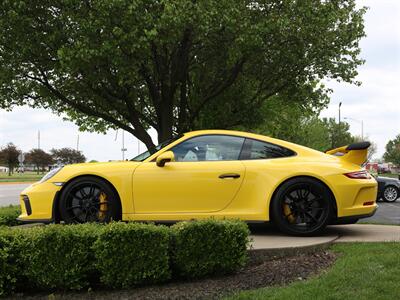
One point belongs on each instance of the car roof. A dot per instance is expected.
(294, 147)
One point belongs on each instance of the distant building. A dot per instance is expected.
(372, 167)
(3, 169)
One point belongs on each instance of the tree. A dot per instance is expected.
(295, 121)
(339, 134)
(301, 124)
(392, 153)
(172, 65)
(39, 158)
(67, 156)
(9, 156)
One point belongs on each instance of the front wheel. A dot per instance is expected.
(302, 206)
(390, 194)
(89, 199)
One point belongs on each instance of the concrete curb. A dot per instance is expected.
(287, 248)
(271, 243)
(260, 255)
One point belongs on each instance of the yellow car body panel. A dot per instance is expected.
(193, 190)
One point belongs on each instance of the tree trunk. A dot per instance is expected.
(165, 131)
(145, 138)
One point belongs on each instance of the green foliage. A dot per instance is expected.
(39, 158)
(12, 246)
(119, 255)
(339, 134)
(392, 153)
(58, 256)
(301, 125)
(133, 253)
(66, 156)
(173, 65)
(9, 268)
(207, 247)
(9, 154)
(9, 215)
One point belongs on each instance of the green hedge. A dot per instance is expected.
(9, 215)
(209, 247)
(64, 257)
(9, 268)
(60, 257)
(133, 253)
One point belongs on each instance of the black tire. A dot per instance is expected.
(390, 193)
(89, 199)
(302, 206)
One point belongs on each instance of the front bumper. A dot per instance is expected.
(37, 203)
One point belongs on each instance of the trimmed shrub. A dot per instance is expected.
(60, 257)
(10, 263)
(128, 254)
(72, 257)
(208, 247)
(9, 215)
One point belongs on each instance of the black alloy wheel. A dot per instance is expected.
(89, 199)
(302, 206)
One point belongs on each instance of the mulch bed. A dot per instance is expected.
(261, 271)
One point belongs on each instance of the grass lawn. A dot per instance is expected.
(363, 271)
(20, 177)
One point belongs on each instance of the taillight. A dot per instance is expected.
(359, 175)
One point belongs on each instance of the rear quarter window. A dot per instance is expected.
(254, 149)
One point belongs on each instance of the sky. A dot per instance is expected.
(376, 102)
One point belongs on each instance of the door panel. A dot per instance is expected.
(186, 187)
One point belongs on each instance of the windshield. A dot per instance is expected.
(146, 154)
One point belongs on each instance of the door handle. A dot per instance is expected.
(229, 175)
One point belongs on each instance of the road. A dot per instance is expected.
(386, 213)
(9, 193)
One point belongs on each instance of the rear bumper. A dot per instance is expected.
(349, 219)
(354, 197)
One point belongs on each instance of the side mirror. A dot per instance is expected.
(165, 157)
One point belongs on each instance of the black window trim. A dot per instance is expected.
(245, 153)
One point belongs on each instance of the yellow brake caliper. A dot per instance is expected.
(288, 213)
(103, 205)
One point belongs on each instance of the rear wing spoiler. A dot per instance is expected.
(355, 153)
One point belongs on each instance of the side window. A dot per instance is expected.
(209, 148)
(254, 149)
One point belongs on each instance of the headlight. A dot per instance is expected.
(50, 174)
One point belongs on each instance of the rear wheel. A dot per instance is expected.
(89, 199)
(302, 206)
(390, 193)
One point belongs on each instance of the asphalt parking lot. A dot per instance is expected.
(387, 213)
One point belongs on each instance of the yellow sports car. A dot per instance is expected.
(212, 173)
